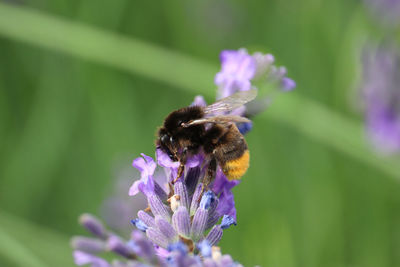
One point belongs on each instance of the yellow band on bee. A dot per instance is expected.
(236, 168)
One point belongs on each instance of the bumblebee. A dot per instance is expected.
(190, 130)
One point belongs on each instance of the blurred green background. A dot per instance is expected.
(85, 83)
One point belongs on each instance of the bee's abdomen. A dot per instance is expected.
(235, 168)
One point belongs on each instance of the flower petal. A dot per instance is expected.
(87, 244)
(134, 189)
(82, 258)
(215, 235)
(226, 204)
(181, 221)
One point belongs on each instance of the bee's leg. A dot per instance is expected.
(212, 169)
(209, 177)
(182, 161)
(180, 170)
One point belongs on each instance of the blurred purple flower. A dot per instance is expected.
(166, 242)
(381, 94)
(287, 84)
(82, 258)
(117, 209)
(199, 101)
(386, 11)
(239, 71)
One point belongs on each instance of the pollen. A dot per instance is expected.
(236, 168)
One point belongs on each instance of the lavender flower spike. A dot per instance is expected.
(116, 245)
(89, 245)
(180, 227)
(241, 71)
(82, 258)
(171, 237)
(165, 231)
(237, 69)
(93, 225)
(385, 11)
(381, 96)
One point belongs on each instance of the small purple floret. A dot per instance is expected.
(178, 246)
(139, 225)
(146, 166)
(287, 84)
(227, 221)
(86, 244)
(215, 235)
(181, 221)
(82, 258)
(207, 199)
(205, 248)
(245, 127)
(93, 225)
(116, 245)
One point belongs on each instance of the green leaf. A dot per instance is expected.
(305, 115)
(16, 252)
(25, 244)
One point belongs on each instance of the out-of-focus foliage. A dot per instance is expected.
(67, 124)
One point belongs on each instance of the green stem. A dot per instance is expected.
(16, 252)
(26, 244)
(36, 28)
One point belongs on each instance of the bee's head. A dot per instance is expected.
(172, 132)
(166, 142)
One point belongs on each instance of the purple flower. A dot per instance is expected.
(137, 249)
(199, 101)
(287, 84)
(386, 11)
(381, 94)
(117, 209)
(264, 62)
(146, 166)
(237, 69)
(168, 224)
(185, 218)
(383, 126)
(223, 186)
(93, 225)
(170, 167)
(241, 71)
(165, 229)
(82, 258)
(166, 242)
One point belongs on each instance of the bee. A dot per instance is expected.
(192, 129)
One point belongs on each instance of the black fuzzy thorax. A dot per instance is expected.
(174, 120)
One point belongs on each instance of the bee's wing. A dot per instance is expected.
(225, 119)
(231, 102)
